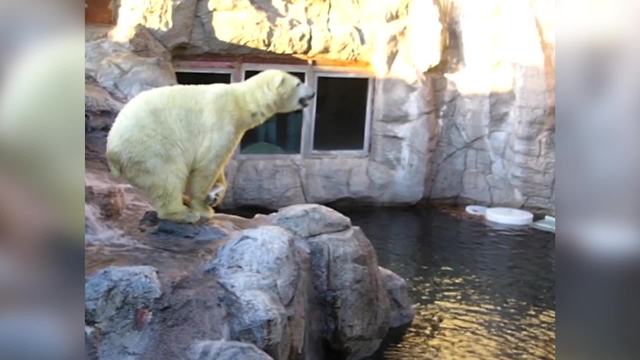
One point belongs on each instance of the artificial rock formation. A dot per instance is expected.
(301, 283)
(123, 69)
(225, 350)
(463, 103)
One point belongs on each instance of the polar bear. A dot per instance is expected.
(173, 142)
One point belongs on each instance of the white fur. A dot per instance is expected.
(174, 142)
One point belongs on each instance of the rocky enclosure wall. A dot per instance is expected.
(299, 284)
(463, 99)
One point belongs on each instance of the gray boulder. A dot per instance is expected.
(264, 294)
(128, 74)
(307, 220)
(225, 350)
(353, 298)
(97, 100)
(401, 310)
(118, 310)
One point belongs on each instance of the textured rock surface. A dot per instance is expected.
(117, 309)
(355, 303)
(170, 21)
(225, 350)
(265, 292)
(298, 284)
(126, 68)
(344, 30)
(285, 187)
(110, 200)
(308, 220)
(97, 99)
(401, 308)
(496, 115)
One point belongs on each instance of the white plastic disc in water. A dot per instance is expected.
(509, 216)
(476, 210)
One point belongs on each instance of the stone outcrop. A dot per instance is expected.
(123, 69)
(401, 311)
(495, 116)
(301, 283)
(264, 287)
(225, 350)
(355, 304)
(463, 103)
(98, 100)
(310, 220)
(341, 30)
(118, 303)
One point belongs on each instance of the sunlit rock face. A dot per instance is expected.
(340, 30)
(123, 69)
(494, 94)
(463, 102)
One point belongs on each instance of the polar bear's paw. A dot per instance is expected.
(202, 209)
(206, 212)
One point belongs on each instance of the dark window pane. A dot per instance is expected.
(252, 73)
(280, 134)
(197, 78)
(341, 110)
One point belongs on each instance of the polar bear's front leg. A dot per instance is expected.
(200, 183)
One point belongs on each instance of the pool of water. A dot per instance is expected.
(481, 292)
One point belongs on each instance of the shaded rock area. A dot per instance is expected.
(354, 301)
(401, 311)
(118, 302)
(225, 350)
(301, 283)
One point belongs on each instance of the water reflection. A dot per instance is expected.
(481, 292)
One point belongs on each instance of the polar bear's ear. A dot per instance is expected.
(279, 81)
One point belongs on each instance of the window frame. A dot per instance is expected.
(311, 73)
(329, 72)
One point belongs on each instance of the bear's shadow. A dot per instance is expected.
(175, 236)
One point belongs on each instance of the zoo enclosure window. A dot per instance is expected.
(199, 77)
(341, 113)
(336, 122)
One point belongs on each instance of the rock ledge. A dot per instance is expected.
(301, 283)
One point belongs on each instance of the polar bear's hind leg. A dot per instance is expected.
(166, 195)
(200, 183)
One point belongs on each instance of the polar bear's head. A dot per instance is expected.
(291, 94)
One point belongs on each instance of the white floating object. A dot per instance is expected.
(546, 224)
(476, 210)
(509, 216)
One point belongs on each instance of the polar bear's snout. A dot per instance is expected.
(305, 94)
(305, 100)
